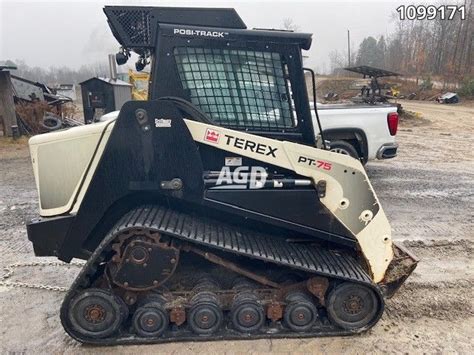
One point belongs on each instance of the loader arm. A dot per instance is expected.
(349, 194)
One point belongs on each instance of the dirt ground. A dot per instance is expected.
(427, 193)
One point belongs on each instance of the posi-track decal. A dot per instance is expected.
(199, 33)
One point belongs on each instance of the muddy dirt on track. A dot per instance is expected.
(427, 193)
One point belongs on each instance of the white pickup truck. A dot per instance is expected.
(363, 131)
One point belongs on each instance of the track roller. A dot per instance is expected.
(205, 315)
(97, 313)
(241, 283)
(205, 283)
(300, 312)
(352, 306)
(151, 319)
(247, 313)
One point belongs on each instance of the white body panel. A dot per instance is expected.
(60, 162)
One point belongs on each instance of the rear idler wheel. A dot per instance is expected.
(205, 315)
(151, 319)
(247, 314)
(97, 313)
(300, 312)
(352, 306)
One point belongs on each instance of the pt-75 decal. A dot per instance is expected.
(321, 164)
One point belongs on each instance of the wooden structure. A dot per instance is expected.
(7, 105)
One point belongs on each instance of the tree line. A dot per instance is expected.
(438, 47)
(422, 48)
(59, 75)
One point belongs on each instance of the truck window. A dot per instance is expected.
(237, 88)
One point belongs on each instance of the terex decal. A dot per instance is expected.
(212, 136)
(201, 33)
(321, 164)
(251, 146)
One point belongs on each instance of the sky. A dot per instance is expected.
(73, 33)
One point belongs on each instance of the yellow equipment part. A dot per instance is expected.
(139, 81)
(395, 90)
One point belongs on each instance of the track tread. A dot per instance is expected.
(233, 239)
(239, 240)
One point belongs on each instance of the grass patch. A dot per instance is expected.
(10, 142)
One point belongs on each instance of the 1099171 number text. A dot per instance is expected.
(431, 12)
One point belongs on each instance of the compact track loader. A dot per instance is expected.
(208, 212)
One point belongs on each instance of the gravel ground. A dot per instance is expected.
(427, 193)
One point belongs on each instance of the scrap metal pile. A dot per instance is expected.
(40, 108)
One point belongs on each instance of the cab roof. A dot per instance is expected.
(136, 27)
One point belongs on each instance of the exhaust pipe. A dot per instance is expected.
(112, 67)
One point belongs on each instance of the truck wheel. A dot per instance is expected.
(343, 147)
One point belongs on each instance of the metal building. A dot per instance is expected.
(103, 95)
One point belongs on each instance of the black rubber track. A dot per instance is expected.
(237, 240)
(212, 234)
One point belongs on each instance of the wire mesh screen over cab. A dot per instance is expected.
(237, 88)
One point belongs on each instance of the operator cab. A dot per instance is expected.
(248, 80)
(220, 73)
